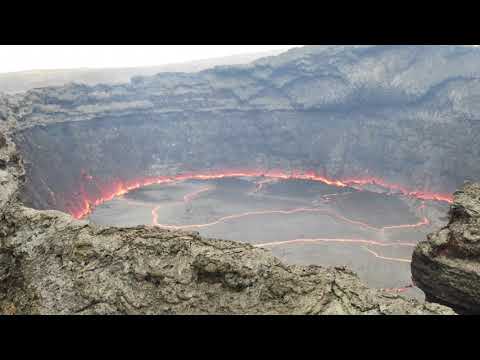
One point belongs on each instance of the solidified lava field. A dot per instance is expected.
(301, 221)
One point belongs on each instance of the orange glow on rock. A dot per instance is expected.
(327, 212)
(107, 192)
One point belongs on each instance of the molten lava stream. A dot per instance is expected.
(386, 257)
(328, 212)
(108, 192)
(186, 199)
(334, 240)
(399, 290)
(195, 194)
(351, 241)
(295, 241)
(121, 189)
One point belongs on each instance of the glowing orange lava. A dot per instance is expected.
(116, 188)
(399, 290)
(348, 241)
(329, 240)
(386, 257)
(191, 196)
(119, 189)
(328, 212)
(186, 199)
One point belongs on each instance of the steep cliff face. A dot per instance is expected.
(447, 266)
(137, 146)
(51, 263)
(406, 114)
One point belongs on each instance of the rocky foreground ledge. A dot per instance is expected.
(51, 263)
(447, 266)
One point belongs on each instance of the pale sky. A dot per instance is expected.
(35, 57)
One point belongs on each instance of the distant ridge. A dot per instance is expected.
(16, 82)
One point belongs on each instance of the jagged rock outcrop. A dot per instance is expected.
(56, 265)
(407, 114)
(343, 111)
(51, 263)
(447, 266)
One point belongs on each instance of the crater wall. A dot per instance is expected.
(405, 114)
(59, 157)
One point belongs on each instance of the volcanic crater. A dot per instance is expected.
(131, 172)
(310, 154)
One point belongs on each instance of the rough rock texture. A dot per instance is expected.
(447, 266)
(56, 265)
(51, 263)
(407, 114)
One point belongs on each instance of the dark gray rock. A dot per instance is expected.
(407, 114)
(51, 263)
(447, 266)
(57, 265)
